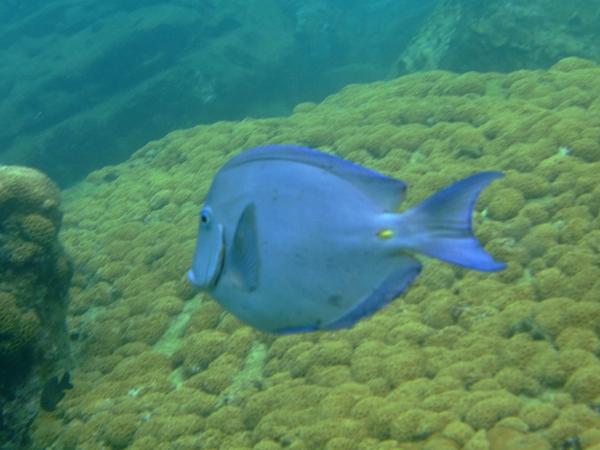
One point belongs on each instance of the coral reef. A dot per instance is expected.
(462, 360)
(34, 277)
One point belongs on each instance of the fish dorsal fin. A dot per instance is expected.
(245, 261)
(386, 191)
(392, 286)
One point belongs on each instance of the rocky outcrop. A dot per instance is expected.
(463, 35)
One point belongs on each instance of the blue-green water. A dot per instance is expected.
(133, 107)
(84, 84)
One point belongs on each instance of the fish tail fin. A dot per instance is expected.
(445, 228)
(65, 381)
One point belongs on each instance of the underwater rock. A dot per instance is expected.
(464, 35)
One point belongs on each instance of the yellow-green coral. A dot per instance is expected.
(506, 204)
(21, 253)
(198, 350)
(487, 412)
(584, 384)
(461, 360)
(38, 229)
(19, 329)
(539, 415)
(119, 431)
(27, 188)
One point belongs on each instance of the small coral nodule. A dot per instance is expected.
(38, 229)
(18, 328)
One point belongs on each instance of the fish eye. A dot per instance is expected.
(205, 216)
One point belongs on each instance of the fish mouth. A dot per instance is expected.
(209, 262)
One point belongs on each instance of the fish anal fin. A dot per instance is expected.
(391, 287)
(296, 330)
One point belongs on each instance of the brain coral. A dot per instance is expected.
(462, 360)
(38, 229)
(18, 329)
(23, 187)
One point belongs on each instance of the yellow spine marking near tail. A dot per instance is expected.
(386, 233)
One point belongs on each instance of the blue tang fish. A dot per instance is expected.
(294, 240)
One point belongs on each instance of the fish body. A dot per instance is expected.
(54, 391)
(293, 239)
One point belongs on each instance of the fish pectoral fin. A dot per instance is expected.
(245, 260)
(392, 286)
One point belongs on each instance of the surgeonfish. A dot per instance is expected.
(293, 239)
